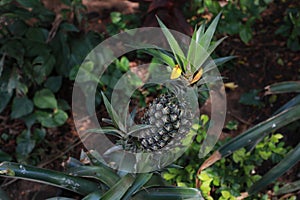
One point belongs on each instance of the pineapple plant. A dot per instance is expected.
(168, 120)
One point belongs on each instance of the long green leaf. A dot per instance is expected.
(293, 102)
(107, 131)
(168, 193)
(205, 39)
(283, 87)
(93, 196)
(119, 189)
(112, 113)
(59, 179)
(289, 188)
(102, 173)
(177, 51)
(140, 180)
(255, 132)
(292, 158)
(162, 56)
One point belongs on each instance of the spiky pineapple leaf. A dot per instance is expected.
(283, 87)
(112, 113)
(58, 179)
(119, 189)
(288, 188)
(168, 193)
(292, 158)
(93, 196)
(254, 133)
(107, 131)
(177, 51)
(162, 56)
(102, 173)
(205, 39)
(140, 181)
(293, 102)
(211, 64)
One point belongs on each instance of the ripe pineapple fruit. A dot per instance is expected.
(168, 118)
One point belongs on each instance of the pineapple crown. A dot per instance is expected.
(192, 66)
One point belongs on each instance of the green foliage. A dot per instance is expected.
(102, 181)
(238, 15)
(121, 22)
(251, 98)
(34, 61)
(290, 28)
(220, 181)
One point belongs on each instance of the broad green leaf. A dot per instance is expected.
(168, 193)
(37, 34)
(177, 51)
(140, 181)
(39, 134)
(60, 117)
(25, 145)
(21, 106)
(119, 189)
(51, 119)
(53, 83)
(46, 176)
(102, 173)
(283, 87)
(5, 98)
(4, 156)
(245, 34)
(292, 158)
(45, 99)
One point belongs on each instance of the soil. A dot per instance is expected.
(255, 67)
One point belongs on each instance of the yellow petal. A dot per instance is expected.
(231, 85)
(197, 76)
(176, 72)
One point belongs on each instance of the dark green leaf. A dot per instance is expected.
(103, 173)
(139, 182)
(292, 158)
(293, 102)
(18, 28)
(45, 99)
(246, 34)
(25, 145)
(93, 196)
(21, 106)
(5, 98)
(168, 193)
(53, 83)
(39, 135)
(68, 27)
(255, 132)
(283, 87)
(29, 3)
(289, 188)
(51, 119)
(59, 179)
(119, 189)
(4, 156)
(37, 34)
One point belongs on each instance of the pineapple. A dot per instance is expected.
(169, 117)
